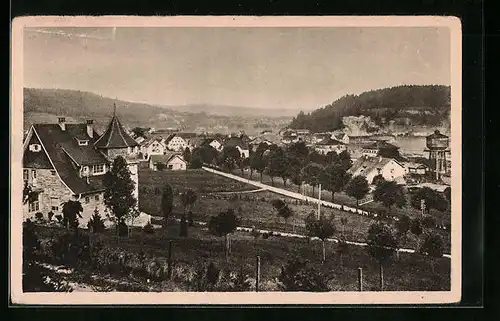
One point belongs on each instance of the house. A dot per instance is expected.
(215, 143)
(318, 137)
(170, 160)
(65, 161)
(179, 141)
(341, 137)
(268, 139)
(415, 168)
(330, 145)
(373, 149)
(237, 142)
(289, 137)
(153, 146)
(139, 139)
(369, 167)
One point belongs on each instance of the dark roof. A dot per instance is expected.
(163, 158)
(235, 141)
(60, 145)
(186, 135)
(115, 136)
(380, 144)
(329, 142)
(436, 134)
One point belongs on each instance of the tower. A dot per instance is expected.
(438, 147)
(114, 142)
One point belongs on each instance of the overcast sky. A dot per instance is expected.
(293, 68)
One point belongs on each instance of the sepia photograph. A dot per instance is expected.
(235, 160)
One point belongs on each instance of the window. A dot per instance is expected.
(55, 208)
(35, 147)
(25, 174)
(53, 172)
(33, 173)
(85, 168)
(87, 199)
(98, 169)
(170, 166)
(97, 197)
(83, 142)
(34, 206)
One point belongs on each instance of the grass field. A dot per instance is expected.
(342, 198)
(255, 209)
(408, 272)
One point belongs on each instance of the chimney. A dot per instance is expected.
(62, 123)
(90, 128)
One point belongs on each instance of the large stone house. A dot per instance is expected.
(329, 145)
(153, 146)
(179, 141)
(65, 161)
(369, 167)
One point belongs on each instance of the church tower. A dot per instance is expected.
(114, 142)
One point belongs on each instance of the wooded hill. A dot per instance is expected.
(408, 105)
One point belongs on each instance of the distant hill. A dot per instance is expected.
(221, 110)
(45, 105)
(398, 107)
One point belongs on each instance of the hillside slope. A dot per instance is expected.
(396, 107)
(45, 105)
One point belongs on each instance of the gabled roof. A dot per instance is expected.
(380, 144)
(164, 158)
(365, 165)
(186, 135)
(235, 141)
(329, 142)
(62, 149)
(115, 136)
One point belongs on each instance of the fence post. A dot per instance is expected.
(257, 274)
(169, 260)
(360, 279)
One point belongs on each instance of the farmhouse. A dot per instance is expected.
(65, 161)
(369, 167)
(179, 141)
(153, 146)
(374, 148)
(330, 145)
(170, 160)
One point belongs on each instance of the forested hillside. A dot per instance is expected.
(403, 105)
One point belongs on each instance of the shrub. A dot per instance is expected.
(122, 229)
(50, 215)
(433, 245)
(96, 223)
(39, 216)
(296, 275)
(59, 218)
(148, 228)
(429, 222)
(205, 279)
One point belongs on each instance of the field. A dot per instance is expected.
(254, 208)
(342, 198)
(407, 272)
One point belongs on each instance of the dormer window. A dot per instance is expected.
(35, 147)
(83, 142)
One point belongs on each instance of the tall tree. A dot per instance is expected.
(432, 200)
(276, 166)
(257, 163)
(433, 245)
(403, 226)
(323, 229)
(344, 160)
(382, 244)
(119, 195)
(311, 174)
(335, 179)
(357, 188)
(283, 210)
(230, 157)
(224, 224)
(389, 193)
(167, 203)
(186, 154)
(71, 212)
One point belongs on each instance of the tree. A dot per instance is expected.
(196, 162)
(282, 209)
(447, 194)
(429, 222)
(433, 245)
(416, 227)
(323, 229)
(381, 245)
(167, 203)
(389, 193)
(186, 154)
(205, 153)
(71, 212)
(402, 227)
(139, 132)
(224, 224)
(432, 200)
(243, 163)
(119, 195)
(277, 165)
(335, 179)
(257, 163)
(378, 179)
(357, 188)
(96, 223)
(297, 275)
(183, 231)
(294, 170)
(311, 174)
(344, 160)
(188, 198)
(230, 157)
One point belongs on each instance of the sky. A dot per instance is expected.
(292, 68)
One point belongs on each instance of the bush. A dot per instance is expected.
(39, 216)
(122, 229)
(433, 245)
(96, 223)
(59, 218)
(296, 275)
(429, 222)
(50, 215)
(148, 228)
(205, 279)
